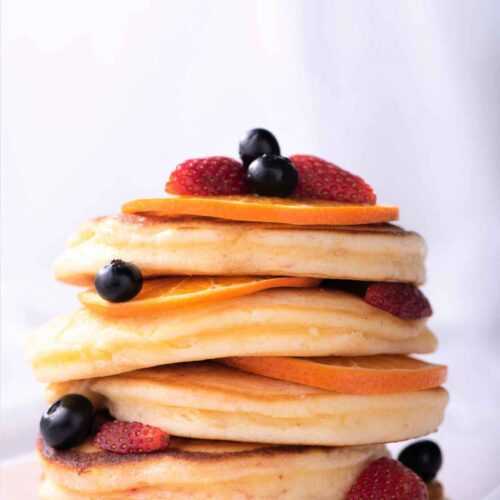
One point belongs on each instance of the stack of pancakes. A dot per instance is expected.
(237, 435)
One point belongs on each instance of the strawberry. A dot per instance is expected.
(212, 176)
(400, 299)
(131, 437)
(319, 179)
(388, 479)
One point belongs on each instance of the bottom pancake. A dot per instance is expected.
(202, 470)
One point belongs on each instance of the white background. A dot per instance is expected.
(102, 98)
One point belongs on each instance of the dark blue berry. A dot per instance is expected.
(257, 142)
(349, 286)
(100, 417)
(67, 422)
(119, 281)
(424, 458)
(272, 175)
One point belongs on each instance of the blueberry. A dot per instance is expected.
(100, 417)
(349, 286)
(119, 281)
(257, 142)
(424, 458)
(272, 175)
(67, 422)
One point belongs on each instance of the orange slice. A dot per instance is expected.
(383, 374)
(260, 209)
(168, 293)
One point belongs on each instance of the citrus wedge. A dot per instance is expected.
(168, 293)
(382, 374)
(260, 209)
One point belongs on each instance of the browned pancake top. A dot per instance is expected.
(150, 220)
(88, 455)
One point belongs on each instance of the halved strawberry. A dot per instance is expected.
(131, 437)
(388, 479)
(400, 299)
(322, 180)
(212, 176)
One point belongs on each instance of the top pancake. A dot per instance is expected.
(195, 246)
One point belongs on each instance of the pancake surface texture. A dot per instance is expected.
(161, 246)
(203, 470)
(286, 322)
(210, 401)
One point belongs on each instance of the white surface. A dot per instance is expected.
(101, 99)
(19, 478)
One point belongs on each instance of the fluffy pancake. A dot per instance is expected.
(202, 470)
(161, 246)
(286, 322)
(209, 401)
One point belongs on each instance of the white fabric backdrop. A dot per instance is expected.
(102, 98)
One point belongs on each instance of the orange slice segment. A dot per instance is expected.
(168, 293)
(383, 374)
(260, 209)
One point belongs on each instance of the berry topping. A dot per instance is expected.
(272, 175)
(349, 286)
(387, 479)
(257, 142)
(101, 417)
(424, 458)
(67, 422)
(119, 281)
(400, 299)
(322, 180)
(131, 437)
(213, 176)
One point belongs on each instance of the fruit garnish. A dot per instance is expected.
(172, 293)
(212, 176)
(403, 300)
(272, 175)
(387, 479)
(424, 458)
(400, 299)
(382, 374)
(260, 209)
(353, 287)
(100, 418)
(322, 180)
(131, 437)
(67, 422)
(257, 142)
(118, 281)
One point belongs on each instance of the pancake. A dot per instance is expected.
(209, 401)
(281, 322)
(202, 470)
(162, 246)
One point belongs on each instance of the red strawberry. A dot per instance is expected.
(213, 176)
(131, 437)
(388, 479)
(319, 179)
(401, 299)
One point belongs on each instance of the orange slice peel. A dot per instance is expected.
(170, 293)
(363, 375)
(260, 209)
